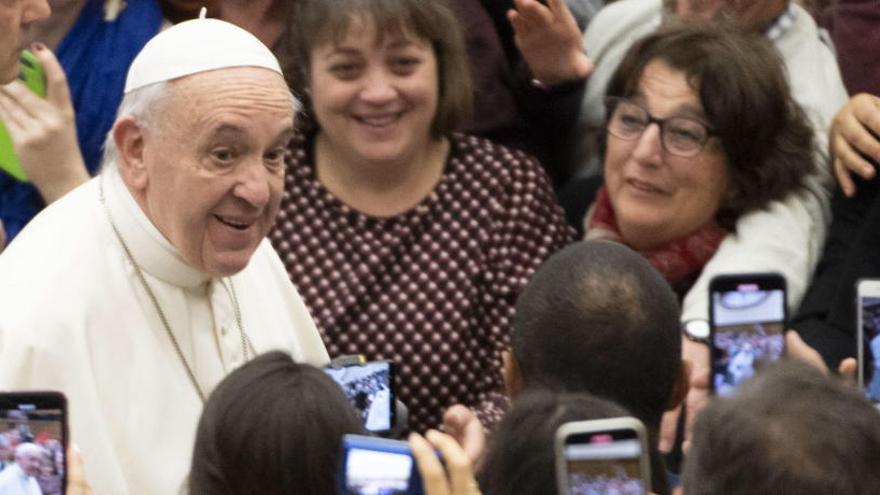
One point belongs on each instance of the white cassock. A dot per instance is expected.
(74, 318)
(13, 481)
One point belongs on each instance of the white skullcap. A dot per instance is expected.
(194, 46)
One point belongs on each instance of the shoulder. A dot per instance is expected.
(490, 160)
(621, 20)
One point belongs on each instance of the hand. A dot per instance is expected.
(796, 348)
(851, 137)
(76, 480)
(456, 479)
(550, 41)
(465, 427)
(698, 356)
(2, 237)
(44, 131)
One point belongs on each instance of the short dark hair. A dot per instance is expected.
(791, 429)
(741, 83)
(316, 21)
(520, 458)
(272, 427)
(597, 317)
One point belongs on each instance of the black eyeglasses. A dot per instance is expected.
(681, 136)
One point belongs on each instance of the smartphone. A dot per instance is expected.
(747, 320)
(31, 74)
(377, 466)
(603, 456)
(34, 427)
(868, 336)
(369, 385)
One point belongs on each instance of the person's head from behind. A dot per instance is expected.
(701, 128)
(520, 458)
(597, 317)
(29, 458)
(791, 429)
(380, 78)
(272, 427)
(202, 149)
(15, 16)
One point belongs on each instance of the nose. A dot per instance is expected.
(649, 146)
(254, 184)
(378, 87)
(35, 10)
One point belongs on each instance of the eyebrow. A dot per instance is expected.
(238, 132)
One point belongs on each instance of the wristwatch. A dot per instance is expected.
(696, 331)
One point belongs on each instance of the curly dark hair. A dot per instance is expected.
(741, 82)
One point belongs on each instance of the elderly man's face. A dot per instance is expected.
(750, 14)
(30, 462)
(214, 165)
(14, 15)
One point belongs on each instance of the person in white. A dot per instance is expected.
(20, 478)
(140, 290)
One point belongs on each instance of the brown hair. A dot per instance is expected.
(741, 83)
(315, 21)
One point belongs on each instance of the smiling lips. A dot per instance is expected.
(379, 121)
(234, 223)
(645, 187)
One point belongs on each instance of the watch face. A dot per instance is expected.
(698, 329)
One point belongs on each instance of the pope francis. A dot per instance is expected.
(139, 291)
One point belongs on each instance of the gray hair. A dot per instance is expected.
(28, 448)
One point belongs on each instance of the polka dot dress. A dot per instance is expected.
(432, 289)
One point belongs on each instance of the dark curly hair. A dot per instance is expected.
(741, 82)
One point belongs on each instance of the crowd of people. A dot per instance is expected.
(519, 203)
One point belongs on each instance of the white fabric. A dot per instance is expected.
(13, 481)
(74, 318)
(194, 46)
(788, 236)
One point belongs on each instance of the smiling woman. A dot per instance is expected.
(408, 241)
(701, 129)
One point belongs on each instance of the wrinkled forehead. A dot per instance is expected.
(250, 87)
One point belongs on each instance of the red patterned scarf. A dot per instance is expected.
(676, 260)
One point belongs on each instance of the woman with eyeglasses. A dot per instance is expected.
(701, 128)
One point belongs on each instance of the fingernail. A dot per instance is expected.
(38, 47)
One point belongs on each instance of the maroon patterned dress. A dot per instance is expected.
(432, 289)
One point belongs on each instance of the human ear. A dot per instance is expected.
(129, 139)
(511, 373)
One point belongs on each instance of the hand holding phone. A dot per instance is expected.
(748, 320)
(603, 456)
(31, 74)
(456, 478)
(33, 450)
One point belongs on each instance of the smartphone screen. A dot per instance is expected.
(369, 387)
(603, 456)
(377, 466)
(748, 320)
(869, 337)
(33, 445)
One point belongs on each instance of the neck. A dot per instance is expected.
(262, 18)
(383, 188)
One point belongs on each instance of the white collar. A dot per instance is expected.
(149, 248)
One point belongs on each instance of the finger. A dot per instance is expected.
(796, 348)
(433, 476)
(867, 111)
(76, 480)
(21, 101)
(697, 398)
(533, 13)
(2, 236)
(842, 174)
(12, 119)
(466, 428)
(668, 427)
(847, 370)
(57, 92)
(457, 463)
(850, 158)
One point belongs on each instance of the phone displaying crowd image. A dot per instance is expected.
(370, 388)
(377, 466)
(33, 447)
(748, 322)
(603, 456)
(868, 337)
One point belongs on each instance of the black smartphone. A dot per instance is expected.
(369, 385)
(33, 447)
(603, 456)
(377, 466)
(747, 319)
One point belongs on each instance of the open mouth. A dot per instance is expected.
(231, 222)
(645, 186)
(378, 120)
